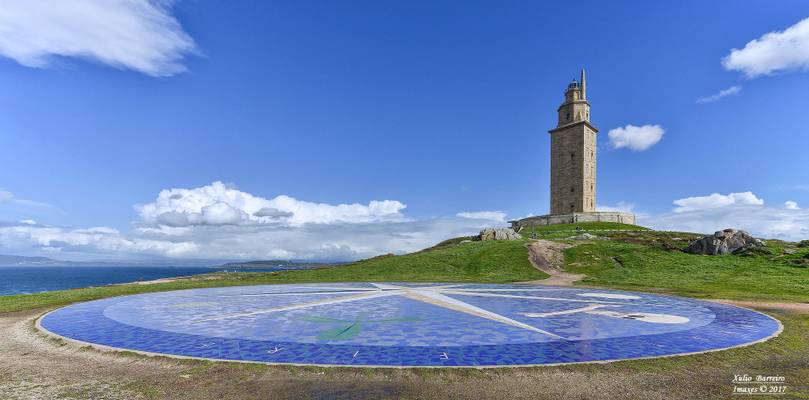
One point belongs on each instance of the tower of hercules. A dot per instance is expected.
(573, 166)
(573, 154)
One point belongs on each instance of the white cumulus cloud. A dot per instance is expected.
(716, 200)
(636, 138)
(272, 213)
(221, 204)
(773, 52)
(706, 214)
(139, 35)
(718, 96)
(498, 216)
(99, 240)
(219, 221)
(791, 205)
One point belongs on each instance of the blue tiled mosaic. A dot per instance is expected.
(410, 324)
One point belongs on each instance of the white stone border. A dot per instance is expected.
(105, 348)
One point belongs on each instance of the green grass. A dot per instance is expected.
(450, 261)
(628, 257)
(565, 230)
(654, 262)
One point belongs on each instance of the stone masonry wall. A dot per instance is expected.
(573, 163)
(572, 218)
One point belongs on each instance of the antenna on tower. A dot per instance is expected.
(583, 86)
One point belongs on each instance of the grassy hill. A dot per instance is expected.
(449, 261)
(635, 258)
(622, 256)
(584, 226)
(653, 261)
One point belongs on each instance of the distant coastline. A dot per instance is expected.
(26, 261)
(36, 278)
(281, 264)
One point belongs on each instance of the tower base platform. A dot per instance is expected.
(572, 218)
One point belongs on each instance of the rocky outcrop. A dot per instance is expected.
(499, 234)
(586, 236)
(728, 241)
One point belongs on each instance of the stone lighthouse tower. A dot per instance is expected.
(573, 166)
(573, 154)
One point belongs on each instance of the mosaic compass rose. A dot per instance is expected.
(408, 324)
(439, 295)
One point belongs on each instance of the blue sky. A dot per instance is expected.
(439, 108)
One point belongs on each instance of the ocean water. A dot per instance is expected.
(34, 279)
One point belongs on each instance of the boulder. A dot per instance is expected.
(728, 241)
(499, 234)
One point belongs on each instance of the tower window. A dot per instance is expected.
(572, 189)
(567, 117)
(572, 156)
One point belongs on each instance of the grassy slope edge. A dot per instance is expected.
(629, 257)
(654, 261)
(449, 261)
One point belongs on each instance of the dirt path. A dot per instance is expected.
(549, 257)
(33, 367)
(797, 308)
